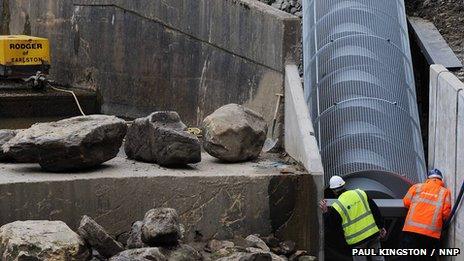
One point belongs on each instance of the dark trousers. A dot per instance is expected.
(413, 240)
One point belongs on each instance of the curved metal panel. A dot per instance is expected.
(359, 87)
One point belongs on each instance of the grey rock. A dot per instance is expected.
(96, 256)
(289, 6)
(140, 254)
(271, 241)
(182, 253)
(286, 248)
(307, 258)
(135, 236)
(96, 236)
(215, 245)
(25, 256)
(240, 256)
(70, 144)
(274, 257)
(255, 241)
(297, 255)
(161, 227)
(234, 133)
(162, 138)
(41, 240)
(123, 237)
(5, 136)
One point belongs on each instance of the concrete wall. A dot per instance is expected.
(301, 144)
(147, 55)
(214, 200)
(446, 138)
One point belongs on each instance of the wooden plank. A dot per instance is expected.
(432, 44)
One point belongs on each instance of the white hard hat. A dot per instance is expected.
(336, 182)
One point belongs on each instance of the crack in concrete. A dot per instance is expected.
(158, 21)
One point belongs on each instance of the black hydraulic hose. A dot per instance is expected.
(455, 207)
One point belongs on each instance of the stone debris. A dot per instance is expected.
(41, 240)
(161, 227)
(182, 253)
(290, 6)
(240, 256)
(68, 145)
(286, 248)
(216, 245)
(162, 138)
(274, 257)
(96, 236)
(234, 133)
(307, 258)
(157, 237)
(255, 241)
(5, 136)
(140, 254)
(135, 236)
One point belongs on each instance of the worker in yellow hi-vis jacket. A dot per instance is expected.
(358, 216)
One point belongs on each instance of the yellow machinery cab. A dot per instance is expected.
(23, 56)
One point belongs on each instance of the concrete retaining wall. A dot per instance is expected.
(301, 144)
(446, 138)
(213, 199)
(147, 55)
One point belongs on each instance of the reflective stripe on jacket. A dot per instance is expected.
(357, 220)
(429, 205)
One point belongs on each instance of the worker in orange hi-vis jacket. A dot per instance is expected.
(429, 207)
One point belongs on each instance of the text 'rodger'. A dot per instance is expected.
(27, 46)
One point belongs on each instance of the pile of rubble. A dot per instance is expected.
(159, 236)
(232, 133)
(290, 6)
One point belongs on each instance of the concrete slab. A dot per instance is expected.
(459, 219)
(301, 144)
(446, 140)
(213, 199)
(432, 44)
(300, 141)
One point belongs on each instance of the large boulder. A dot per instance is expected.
(234, 133)
(162, 138)
(140, 254)
(5, 136)
(70, 144)
(40, 240)
(161, 227)
(96, 236)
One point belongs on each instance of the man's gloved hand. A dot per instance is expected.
(383, 233)
(323, 206)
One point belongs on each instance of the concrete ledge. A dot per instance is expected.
(446, 138)
(301, 144)
(213, 199)
(27, 103)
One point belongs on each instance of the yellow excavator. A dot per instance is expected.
(25, 58)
